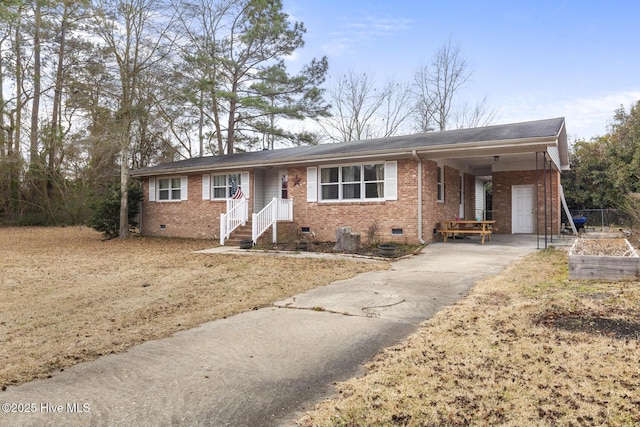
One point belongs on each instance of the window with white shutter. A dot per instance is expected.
(312, 184)
(184, 191)
(172, 189)
(152, 189)
(206, 186)
(391, 180)
(359, 182)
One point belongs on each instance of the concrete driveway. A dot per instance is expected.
(265, 367)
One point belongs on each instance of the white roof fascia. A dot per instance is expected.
(554, 155)
(311, 160)
(466, 149)
(473, 150)
(563, 149)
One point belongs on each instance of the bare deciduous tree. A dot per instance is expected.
(436, 85)
(471, 116)
(436, 89)
(362, 110)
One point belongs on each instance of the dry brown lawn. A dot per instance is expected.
(525, 348)
(66, 296)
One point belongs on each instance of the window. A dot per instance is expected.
(225, 186)
(440, 184)
(329, 183)
(284, 185)
(374, 181)
(353, 182)
(169, 189)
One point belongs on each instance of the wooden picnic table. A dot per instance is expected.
(466, 226)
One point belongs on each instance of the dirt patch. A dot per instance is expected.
(401, 250)
(623, 328)
(69, 297)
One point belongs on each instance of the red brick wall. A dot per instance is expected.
(434, 211)
(502, 183)
(193, 218)
(197, 218)
(323, 218)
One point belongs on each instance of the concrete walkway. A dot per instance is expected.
(264, 367)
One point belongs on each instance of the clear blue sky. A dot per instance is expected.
(532, 59)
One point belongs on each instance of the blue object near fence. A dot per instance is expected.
(580, 222)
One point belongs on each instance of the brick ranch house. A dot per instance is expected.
(404, 185)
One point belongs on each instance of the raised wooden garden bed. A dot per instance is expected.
(606, 259)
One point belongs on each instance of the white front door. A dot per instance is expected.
(523, 208)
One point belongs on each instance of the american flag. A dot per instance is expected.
(236, 192)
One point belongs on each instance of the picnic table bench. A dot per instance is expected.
(452, 227)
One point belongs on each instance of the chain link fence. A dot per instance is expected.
(603, 219)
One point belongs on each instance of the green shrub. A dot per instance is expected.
(106, 209)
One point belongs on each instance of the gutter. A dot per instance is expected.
(447, 150)
(294, 162)
(415, 156)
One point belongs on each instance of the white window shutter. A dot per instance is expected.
(391, 180)
(244, 184)
(152, 189)
(312, 184)
(206, 186)
(184, 190)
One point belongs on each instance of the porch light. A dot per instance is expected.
(496, 158)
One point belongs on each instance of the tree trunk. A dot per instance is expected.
(124, 190)
(3, 130)
(346, 241)
(232, 122)
(201, 124)
(35, 106)
(15, 126)
(216, 119)
(54, 132)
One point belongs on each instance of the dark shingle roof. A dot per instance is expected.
(524, 131)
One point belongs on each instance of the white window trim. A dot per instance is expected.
(208, 185)
(440, 183)
(154, 189)
(389, 183)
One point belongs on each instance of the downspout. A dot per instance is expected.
(415, 156)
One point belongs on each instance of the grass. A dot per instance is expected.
(526, 347)
(69, 297)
